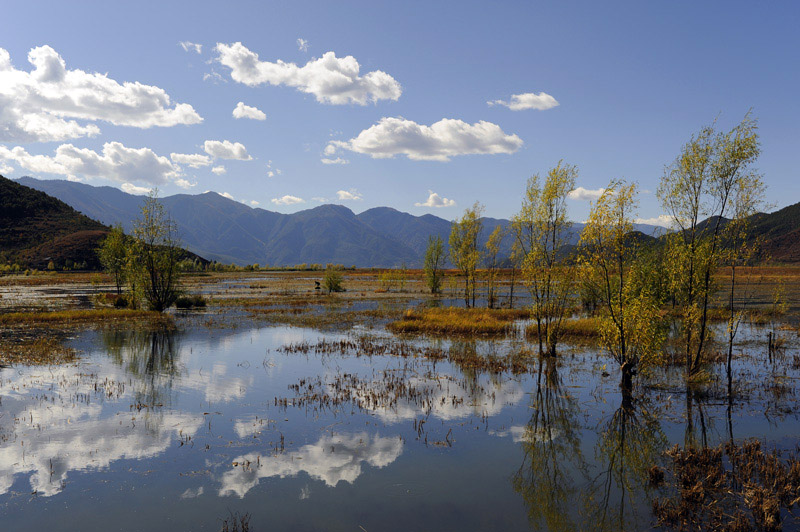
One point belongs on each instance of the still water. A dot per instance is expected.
(166, 430)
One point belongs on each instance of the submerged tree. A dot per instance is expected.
(434, 260)
(113, 253)
(154, 256)
(628, 312)
(493, 264)
(541, 230)
(698, 190)
(464, 251)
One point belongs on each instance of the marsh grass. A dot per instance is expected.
(573, 328)
(36, 352)
(77, 316)
(458, 321)
(730, 487)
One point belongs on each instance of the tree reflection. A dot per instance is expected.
(149, 355)
(553, 467)
(628, 446)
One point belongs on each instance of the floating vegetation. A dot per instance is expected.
(35, 352)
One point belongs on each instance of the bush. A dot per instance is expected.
(189, 302)
(332, 282)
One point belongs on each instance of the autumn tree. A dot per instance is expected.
(541, 230)
(697, 191)
(628, 312)
(113, 253)
(464, 251)
(434, 260)
(492, 262)
(154, 255)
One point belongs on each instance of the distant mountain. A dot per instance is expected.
(36, 229)
(221, 229)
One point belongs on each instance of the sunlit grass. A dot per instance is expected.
(459, 321)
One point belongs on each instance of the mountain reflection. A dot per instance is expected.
(332, 459)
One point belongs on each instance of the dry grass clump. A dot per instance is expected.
(37, 352)
(730, 487)
(459, 321)
(571, 328)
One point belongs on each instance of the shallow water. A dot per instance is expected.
(176, 430)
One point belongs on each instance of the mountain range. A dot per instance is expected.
(225, 230)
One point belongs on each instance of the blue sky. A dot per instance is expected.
(633, 81)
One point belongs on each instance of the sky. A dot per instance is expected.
(425, 107)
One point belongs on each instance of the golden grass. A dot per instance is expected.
(458, 321)
(570, 328)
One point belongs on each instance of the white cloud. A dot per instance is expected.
(320, 199)
(6, 169)
(194, 160)
(226, 195)
(663, 220)
(226, 150)
(287, 200)
(437, 142)
(116, 162)
(331, 79)
(133, 189)
(214, 77)
(351, 195)
(338, 160)
(302, 45)
(218, 170)
(245, 111)
(52, 103)
(332, 459)
(585, 194)
(191, 47)
(528, 100)
(254, 203)
(435, 200)
(183, 183)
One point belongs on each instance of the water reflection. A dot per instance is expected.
(553, 468)
(332, 459)
(630, 443)
(565, 491)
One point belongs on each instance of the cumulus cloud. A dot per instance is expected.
(214, 77)
(287, 200)
(245, 111)
(226, 195)
(332, 459)
(302, 45)
(331, 79)
(193, 160)
(348, 195)
(435, 200)
(437, 142)
(218, 170)
(226, 149)
(116, 162)
(528, 100)
(51, 103)
(254, 203)
(191, 47)
(337, 160)
(585, 194)
(5, 169)
(133, 189)
(183, 183)
(663, 220)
